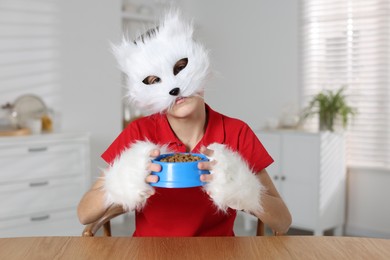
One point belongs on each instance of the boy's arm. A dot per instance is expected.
(92, 205)
(275, 214)
(232, 184)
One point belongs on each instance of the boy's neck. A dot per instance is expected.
(189, 130)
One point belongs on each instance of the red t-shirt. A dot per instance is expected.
(189, 211)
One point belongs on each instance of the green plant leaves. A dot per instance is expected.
(329, 105)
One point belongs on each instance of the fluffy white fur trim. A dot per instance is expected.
(125, 179)
(233, 185)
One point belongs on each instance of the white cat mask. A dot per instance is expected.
(154, 83)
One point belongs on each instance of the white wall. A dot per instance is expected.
(91, 91)
(368, 211)
(254, 49)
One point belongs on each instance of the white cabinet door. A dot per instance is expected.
(300, 156)
(309, 173)
(286, 173)
(300, 200)
(48, 223)
(53, 193)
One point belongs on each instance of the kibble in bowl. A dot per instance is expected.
(179, 170)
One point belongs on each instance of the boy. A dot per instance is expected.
(167, 71)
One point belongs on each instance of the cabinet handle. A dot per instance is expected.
(37, 149)
(283, 178)
(38, 184)
(276, 177)
(40, 218)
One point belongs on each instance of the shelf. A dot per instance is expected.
(137, 17)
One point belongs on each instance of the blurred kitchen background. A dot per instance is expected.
(62, 103)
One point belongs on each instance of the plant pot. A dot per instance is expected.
(325, 126)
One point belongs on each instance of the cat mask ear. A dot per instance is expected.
(173, 25)
(122, 52)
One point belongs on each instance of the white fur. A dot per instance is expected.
(233, 185)
(124, 181)
(156, 56)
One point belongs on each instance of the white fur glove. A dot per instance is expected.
(124, 181)
(233, 184)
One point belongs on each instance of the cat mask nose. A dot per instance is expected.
(174, 92)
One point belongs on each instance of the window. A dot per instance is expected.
(29, 50)
(347, 43)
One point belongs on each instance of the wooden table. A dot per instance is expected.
(278, 247)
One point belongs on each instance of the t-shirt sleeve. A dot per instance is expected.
(253, 150)
(124, 140)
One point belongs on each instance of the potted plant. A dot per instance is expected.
(329, 105)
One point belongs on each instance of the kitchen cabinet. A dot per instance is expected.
(310, 174)
(42, 179)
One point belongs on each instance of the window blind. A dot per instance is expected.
(346, 43)
(29, 50)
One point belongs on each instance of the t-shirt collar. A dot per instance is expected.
(215, 130)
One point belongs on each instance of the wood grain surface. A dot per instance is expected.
(278, 247)
(14, 132)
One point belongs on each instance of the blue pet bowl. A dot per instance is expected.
(179, 174)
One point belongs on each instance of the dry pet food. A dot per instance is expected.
(180, 157)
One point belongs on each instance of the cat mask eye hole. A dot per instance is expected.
(180, 65)
(149, 80)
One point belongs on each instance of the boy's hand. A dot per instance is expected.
(224, 185)
(153, 167)
(208, 166)
(127, 180)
